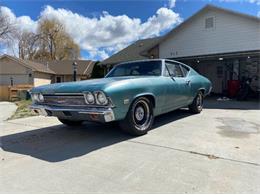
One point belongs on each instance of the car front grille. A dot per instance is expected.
(64, 100)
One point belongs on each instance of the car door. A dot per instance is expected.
(186, 83)
(179, 87)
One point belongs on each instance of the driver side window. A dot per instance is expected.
(173, 70)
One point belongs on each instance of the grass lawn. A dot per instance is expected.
(23, 110)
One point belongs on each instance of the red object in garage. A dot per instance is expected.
(233, 87)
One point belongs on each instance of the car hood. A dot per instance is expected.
(80, 86)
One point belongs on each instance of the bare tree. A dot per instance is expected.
(50, 42)
(55, 43)
(28, 45)
(7, 28)
(8, 32)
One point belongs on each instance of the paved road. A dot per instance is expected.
(6, 110)
(217, 151)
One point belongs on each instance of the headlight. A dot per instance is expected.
(34, 97)
(101, 98)
(37, 97)
(40, 97)
(89, 98)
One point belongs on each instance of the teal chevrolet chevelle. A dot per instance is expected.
(132, 93)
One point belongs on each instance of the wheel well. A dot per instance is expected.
(203, 91)
(150, 97)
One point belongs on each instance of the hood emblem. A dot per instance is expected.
(61, 101)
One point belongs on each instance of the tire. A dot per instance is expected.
(139, 118)
(70, 122)
(197, 104)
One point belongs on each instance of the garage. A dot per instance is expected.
(221, 44)
(224, 69)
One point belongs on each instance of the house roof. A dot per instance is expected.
(64, 67)
(133, 51)
(34, 66)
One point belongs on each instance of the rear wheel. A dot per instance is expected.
(197, 104)
(70, 122)
(139, 118)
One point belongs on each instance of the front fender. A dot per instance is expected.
(124, 93)
(123, 99)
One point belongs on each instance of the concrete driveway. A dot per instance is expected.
(217, 151)
(6, 110)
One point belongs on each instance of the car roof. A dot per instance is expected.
(145, 60)
(149, 60)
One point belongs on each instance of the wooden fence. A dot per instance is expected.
(11, 93)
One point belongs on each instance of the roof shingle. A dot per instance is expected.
(64, 67)
(35, 66)
(133, 51)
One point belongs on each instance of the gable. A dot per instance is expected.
(9, 66)
(29, 65)
(231, 32)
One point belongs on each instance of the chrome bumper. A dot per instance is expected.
(85, 113)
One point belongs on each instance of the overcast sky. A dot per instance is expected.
(102, 27)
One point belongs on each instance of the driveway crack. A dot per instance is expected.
(210, 156)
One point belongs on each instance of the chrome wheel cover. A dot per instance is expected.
(139, 113)
(199, 101)
(142, 115)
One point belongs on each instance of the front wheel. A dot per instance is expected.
(139, 118)
(197, 104)
(70, 122)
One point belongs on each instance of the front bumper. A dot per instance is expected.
(98, 114)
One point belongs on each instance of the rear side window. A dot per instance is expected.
(185, 70)
(173, 69)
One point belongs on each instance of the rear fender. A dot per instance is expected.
(203, 90)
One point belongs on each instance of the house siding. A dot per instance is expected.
(69, 78)
(231, 33)
(18, 79)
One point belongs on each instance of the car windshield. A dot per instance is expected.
(144, 68)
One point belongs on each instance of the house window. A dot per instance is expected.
(58, 79)
(209, 22)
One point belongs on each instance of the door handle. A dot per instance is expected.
(188, 82)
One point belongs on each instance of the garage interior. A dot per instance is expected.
(227, 71)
